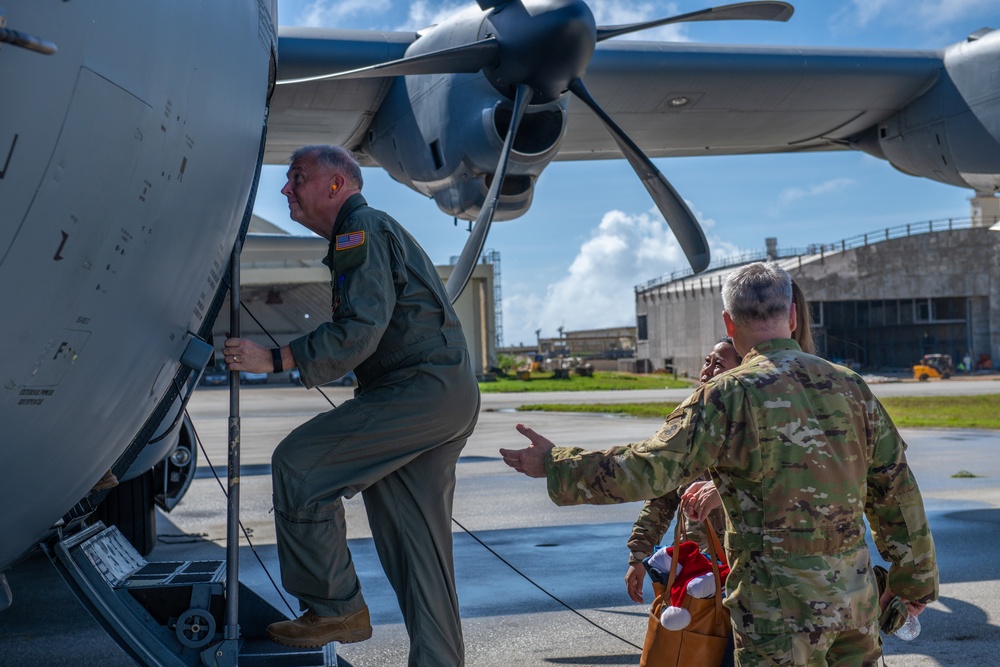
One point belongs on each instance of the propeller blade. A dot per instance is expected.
(466, 58)
(682, 222)
(741, 11)
(467, 261)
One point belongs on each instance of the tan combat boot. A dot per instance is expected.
(312, 631)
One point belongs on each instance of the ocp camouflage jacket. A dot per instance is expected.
(801, 451)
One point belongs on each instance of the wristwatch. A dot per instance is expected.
(276, 358)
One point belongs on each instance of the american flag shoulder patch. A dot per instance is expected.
(351, 240)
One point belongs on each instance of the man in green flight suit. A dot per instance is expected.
(800, 451)
(397, 441)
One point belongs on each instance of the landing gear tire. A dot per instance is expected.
(129, 506)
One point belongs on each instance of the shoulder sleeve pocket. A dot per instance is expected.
(350, 251)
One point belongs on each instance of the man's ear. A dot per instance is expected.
(792, 318)
(728, 320)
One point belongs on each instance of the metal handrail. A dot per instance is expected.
(849, 243)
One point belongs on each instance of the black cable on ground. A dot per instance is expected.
(528, 579)
(455, 521)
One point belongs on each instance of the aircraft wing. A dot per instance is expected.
(327, 112)
(739, 99)
(678, 99)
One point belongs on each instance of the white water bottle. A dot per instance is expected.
(910, 629)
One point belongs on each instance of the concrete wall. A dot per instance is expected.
(475, 310)
(948, 263)
(683, 322)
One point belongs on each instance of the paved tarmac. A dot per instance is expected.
(577, 554)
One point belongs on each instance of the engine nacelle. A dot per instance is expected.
(433, 134)
(951, 133)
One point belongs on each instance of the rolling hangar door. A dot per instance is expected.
(893, 333)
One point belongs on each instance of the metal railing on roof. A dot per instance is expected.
(857, 241)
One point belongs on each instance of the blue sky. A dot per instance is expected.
(592, 233)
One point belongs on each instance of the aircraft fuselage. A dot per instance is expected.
(127, 161)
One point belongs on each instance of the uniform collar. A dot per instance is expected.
(773, 345)
(353, 203)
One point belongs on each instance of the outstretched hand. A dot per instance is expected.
(530, 460)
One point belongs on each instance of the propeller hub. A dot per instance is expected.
(543, 43)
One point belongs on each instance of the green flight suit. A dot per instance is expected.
(397, 441)
(801, 451)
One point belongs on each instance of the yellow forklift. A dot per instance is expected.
(934, 366)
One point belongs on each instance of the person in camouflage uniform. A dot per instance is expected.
(656, 514)
(707, 499)
(800, 450)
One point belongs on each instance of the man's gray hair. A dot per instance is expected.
(758, 292)
(335, 157)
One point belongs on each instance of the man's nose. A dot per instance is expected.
(286, 190)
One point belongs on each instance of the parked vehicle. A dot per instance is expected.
(215, 376)
(348, 380)
(246, 377)
(934, 366)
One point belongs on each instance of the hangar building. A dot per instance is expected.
(879, 301)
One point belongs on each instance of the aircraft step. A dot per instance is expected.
(265, 653)
(171, 614)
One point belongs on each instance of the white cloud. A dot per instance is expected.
(598, 291)
(617, 12)
(791, 195)
(332, 13)
(424, 13)
(927, 13)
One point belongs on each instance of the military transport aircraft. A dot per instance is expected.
(132, 135)
(131, 138)
(435, 108)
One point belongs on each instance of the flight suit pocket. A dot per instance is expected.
(350, 258)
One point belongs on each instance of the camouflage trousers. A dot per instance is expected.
(851, 648)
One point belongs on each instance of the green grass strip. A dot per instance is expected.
(906, 412)
(659, 410)
(600, 381)
(945, 411)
